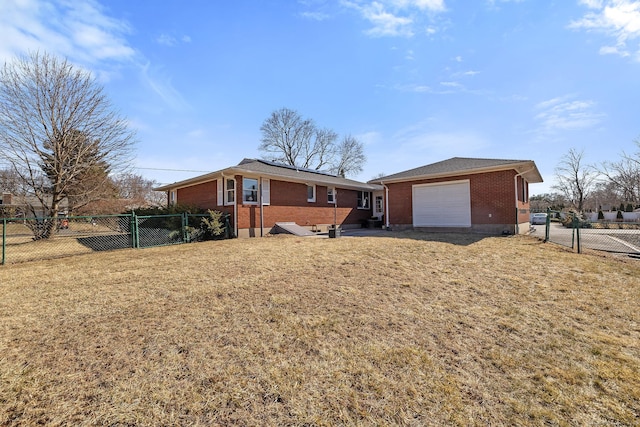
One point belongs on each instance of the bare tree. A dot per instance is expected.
(605, 195)
(57, 129)
(574, 179)
(545, 201)
(10, 182)
(350, 156)
(625, 176)
(289, 138)
(139, 190)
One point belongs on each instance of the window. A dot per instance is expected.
(311, 193)
(172, 197)
(331, 195)
(230, 190)
(363, 199)
(250, 190)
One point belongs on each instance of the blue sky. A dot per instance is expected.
(417, 81)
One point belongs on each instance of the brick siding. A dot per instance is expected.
(492, 199)
(288, 204)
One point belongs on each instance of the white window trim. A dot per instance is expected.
(312, 200)
(265, 188)
(173, 197)
(367, 195)
(332, 191)
(220, 191)
(226, 192)
(257, 191)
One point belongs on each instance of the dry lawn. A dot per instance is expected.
(416, 329)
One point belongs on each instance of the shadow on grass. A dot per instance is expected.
(454, 238)
(106, 243)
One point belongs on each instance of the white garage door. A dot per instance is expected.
(442, 205)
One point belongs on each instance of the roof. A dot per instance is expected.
(278, 171)
(463, 165)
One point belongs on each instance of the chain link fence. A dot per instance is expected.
(579, 232)
(34, 239)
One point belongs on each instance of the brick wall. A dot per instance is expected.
(288, 204)
(492, 199)
(202, 195)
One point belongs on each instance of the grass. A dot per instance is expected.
(416, 329)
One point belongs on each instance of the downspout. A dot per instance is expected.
(515, 184)
(261, 206)
(386, 205)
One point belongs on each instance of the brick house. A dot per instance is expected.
(461, 194)
(257, 194)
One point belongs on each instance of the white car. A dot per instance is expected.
(539, 218)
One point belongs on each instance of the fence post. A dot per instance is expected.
(185, 230)
(547, 225)
(134, 231)
(4, 239)
(577, 223)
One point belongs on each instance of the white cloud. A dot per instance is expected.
(617, 19)
(421, 141)
(162, 87)
(196, 133)
(612, 50)
(566, 113)
(166, 40)
(78, 30)
(369, 138)
(84, 33)
(315, 16)
(397, 18)
(593, 4)
(169, 40)
(413, 88)
(386, 23)
(433, 5)
(454, 85)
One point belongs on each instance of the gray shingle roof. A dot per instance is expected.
(463, 165)
(275, 170)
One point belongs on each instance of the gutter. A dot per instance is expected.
(515, 184)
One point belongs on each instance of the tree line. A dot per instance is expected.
(612, 185)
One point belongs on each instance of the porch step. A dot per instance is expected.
(293, 228)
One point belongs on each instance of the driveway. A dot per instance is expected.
(609, 240)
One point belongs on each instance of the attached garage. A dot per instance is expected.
(445, 204)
